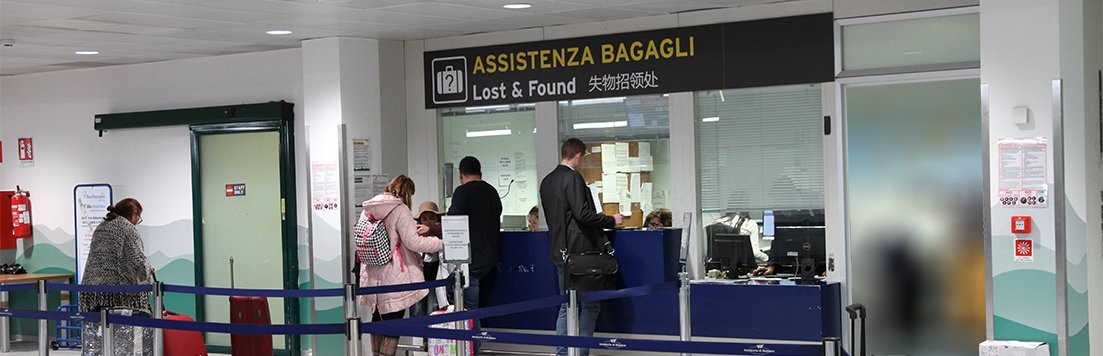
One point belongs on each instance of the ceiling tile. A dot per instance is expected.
(108, 5)
(158, 21)
(667, 7)
(458, 12)
(42, 12)
(208, 14)
(602, 14)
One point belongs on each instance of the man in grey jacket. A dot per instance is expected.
(571, 216)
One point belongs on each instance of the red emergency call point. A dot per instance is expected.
(1020, 224)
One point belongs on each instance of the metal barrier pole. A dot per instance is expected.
(832, 346)
(352, 322)
(43, 334)
(108, 334)
(572, 319)
(158, 313)
(457, 292)
(5, 338)
(683, 309)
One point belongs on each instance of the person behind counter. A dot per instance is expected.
(116, 256)
(571, 215)
(480, 202)
(659, 219)
(393, 207)
(534, 218)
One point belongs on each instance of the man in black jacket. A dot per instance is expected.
(571, 216)
(480, 202)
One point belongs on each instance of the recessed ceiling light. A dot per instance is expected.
(517, 6)
(87, 53)
(279, 32)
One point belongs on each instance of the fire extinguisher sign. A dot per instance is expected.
(26, 152)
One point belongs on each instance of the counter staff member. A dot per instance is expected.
(480, 202)
(571, 215)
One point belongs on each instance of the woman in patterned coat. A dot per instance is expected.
(117, 257)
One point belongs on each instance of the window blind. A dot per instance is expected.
(760, 149)
(645, 117)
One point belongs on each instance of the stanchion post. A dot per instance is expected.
(107, 332)
(43, 333)
(352, 322)
(572, 319)
(683, 309)
(158, 313)
(457, 291)
(832, 346)
(5, 338)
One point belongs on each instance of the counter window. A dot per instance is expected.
(503, 138)
(760, 150)
(627, 162)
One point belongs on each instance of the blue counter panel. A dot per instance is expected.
(774, 312)
(526, 272)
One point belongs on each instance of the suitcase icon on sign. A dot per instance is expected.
(449, 80)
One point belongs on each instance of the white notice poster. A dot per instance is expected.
(457, 238)
(361, 154)
(325, 185)
(90, 204)
(1023, 179)
(622, 157)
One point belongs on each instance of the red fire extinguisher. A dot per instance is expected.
(21, 213)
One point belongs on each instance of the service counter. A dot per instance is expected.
(722, 309)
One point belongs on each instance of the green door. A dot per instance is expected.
(247, 227)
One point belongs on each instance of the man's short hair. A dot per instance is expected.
(571, 147)
(470, 166)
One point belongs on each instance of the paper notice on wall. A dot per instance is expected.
(520, 167)
(90, 202)
(622, 182)
(622, 156)
(635, 188)
(1023, 179)
(647, 164)
(457, 238)
(609, 190)
(644, 149)
(625, 203)
(594, 189)
(608, 158)
(634, 164)
(645, 197)
(366, 186)
(361, 154)
(325, 185)
(658, 198)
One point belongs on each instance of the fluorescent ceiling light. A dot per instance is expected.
(517, 6)
(279, 32)
(87, 53)
(600, 125)
(711, 119)
(488, 133)
(486, 108)
(618, 99)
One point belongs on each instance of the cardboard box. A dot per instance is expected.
(1013, 348)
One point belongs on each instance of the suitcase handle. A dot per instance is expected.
(857, 312)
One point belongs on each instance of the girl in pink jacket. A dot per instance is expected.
(393, 207)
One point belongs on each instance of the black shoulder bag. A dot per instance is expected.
(591, 271)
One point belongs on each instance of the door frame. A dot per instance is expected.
(289, 236)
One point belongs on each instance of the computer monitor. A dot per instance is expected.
(515, 222)
(733, 252)
(794, 245)
(768, 223)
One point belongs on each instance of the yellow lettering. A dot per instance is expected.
(607, 53)
(637, 51)
(622, 52)
(503, 63)
(532, 58)
(690, 46)
(587, 56)
(574, 52)
(522, 63)
(678, 48)
(491, 64)
(652, 52)
(478, 68)
(559, 58)
(666, 48)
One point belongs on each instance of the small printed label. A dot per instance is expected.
(233, 190)
(1024, 250)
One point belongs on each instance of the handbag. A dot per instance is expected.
(373, 244)
(591, 271)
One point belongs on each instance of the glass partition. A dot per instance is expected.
(503, 138)
(914, 42)
(627, 164)
(760, 157)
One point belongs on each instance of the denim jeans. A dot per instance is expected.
(587, 318)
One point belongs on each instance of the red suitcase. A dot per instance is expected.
(183, 342)
(249, 310)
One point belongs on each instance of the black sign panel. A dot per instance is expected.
(235, 190)
(754, 53)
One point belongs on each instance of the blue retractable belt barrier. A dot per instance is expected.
(389, 327)
(629, 292)
(21, 287)
(49, 315)
(403, 287)
(98, 288)
(482, 313)
(257, 329)
(277, 293)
